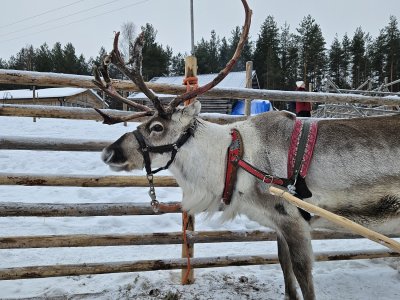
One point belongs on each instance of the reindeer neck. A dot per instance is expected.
(200, 165)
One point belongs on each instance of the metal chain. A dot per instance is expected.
(152, 193)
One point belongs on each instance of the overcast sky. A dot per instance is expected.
(89, 24)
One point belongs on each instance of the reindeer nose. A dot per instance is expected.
(107, 155)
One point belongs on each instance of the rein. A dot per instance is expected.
(146, 149)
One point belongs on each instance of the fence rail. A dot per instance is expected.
(84, 180)
(170, 264)
(53, 79)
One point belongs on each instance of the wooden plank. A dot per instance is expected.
(78, 113)
(20, 209)
(53, 79)
(170, 264)
(83, 180)
(51, 144)
(158, 238)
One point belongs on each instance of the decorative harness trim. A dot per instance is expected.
(301, 148)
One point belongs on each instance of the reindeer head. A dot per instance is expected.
(157, 140)
(160, 137)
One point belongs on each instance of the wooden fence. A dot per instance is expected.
(122, 209)
(118, 209)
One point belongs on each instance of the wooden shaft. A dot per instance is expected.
(341, 221)
(53, 79)
(170, 264)
(84, 180)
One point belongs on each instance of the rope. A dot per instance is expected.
(185, 279)
(191, 84)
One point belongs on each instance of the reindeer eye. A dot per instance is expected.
(157, 128)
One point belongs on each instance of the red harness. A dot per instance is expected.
(304, 136)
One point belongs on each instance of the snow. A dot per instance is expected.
(41, 93)
(358, 279)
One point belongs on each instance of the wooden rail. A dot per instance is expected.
(20, 209)
(79, 113)
(55, 79)
(159, 238)
(170, 264)
(51, 144)
(84, 180)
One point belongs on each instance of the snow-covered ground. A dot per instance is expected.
(360, 279)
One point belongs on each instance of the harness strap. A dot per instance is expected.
(235, 153)
(301, 148)
(173, 148)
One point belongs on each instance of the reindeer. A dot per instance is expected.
(354, 171)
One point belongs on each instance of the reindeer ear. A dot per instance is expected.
(193, 109)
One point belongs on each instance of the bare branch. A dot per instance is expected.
(222, 74)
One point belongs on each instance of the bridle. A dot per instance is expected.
(145, 149)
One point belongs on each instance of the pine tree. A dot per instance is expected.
(288, 57)
(266, 55)
(359, 59)
(70, 59)
(246, 54)
(83, 66)
(224, 53)
(177, 65)
(335, 61)
(207, 53)
(312, 55)
(3, 64)
(43, 59)
(391, 47)
(58, 58)
(23, 60)
(345, 63)
(156, 59)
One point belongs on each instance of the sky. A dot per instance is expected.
(89, 24)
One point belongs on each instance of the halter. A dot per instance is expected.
(145, 149)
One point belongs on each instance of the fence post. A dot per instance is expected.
(34, 99)
(124, 106)
(249, 77)
(188, 220)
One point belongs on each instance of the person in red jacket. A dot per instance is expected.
(303, 109)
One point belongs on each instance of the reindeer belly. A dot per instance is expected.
(376, 207)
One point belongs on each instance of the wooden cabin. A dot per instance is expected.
(72, 97)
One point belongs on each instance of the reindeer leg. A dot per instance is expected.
(296, 234)
(287, 269)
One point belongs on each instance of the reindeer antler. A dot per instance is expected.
(223, 73)
(135, 74)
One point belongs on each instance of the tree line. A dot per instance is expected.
(280, 56)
